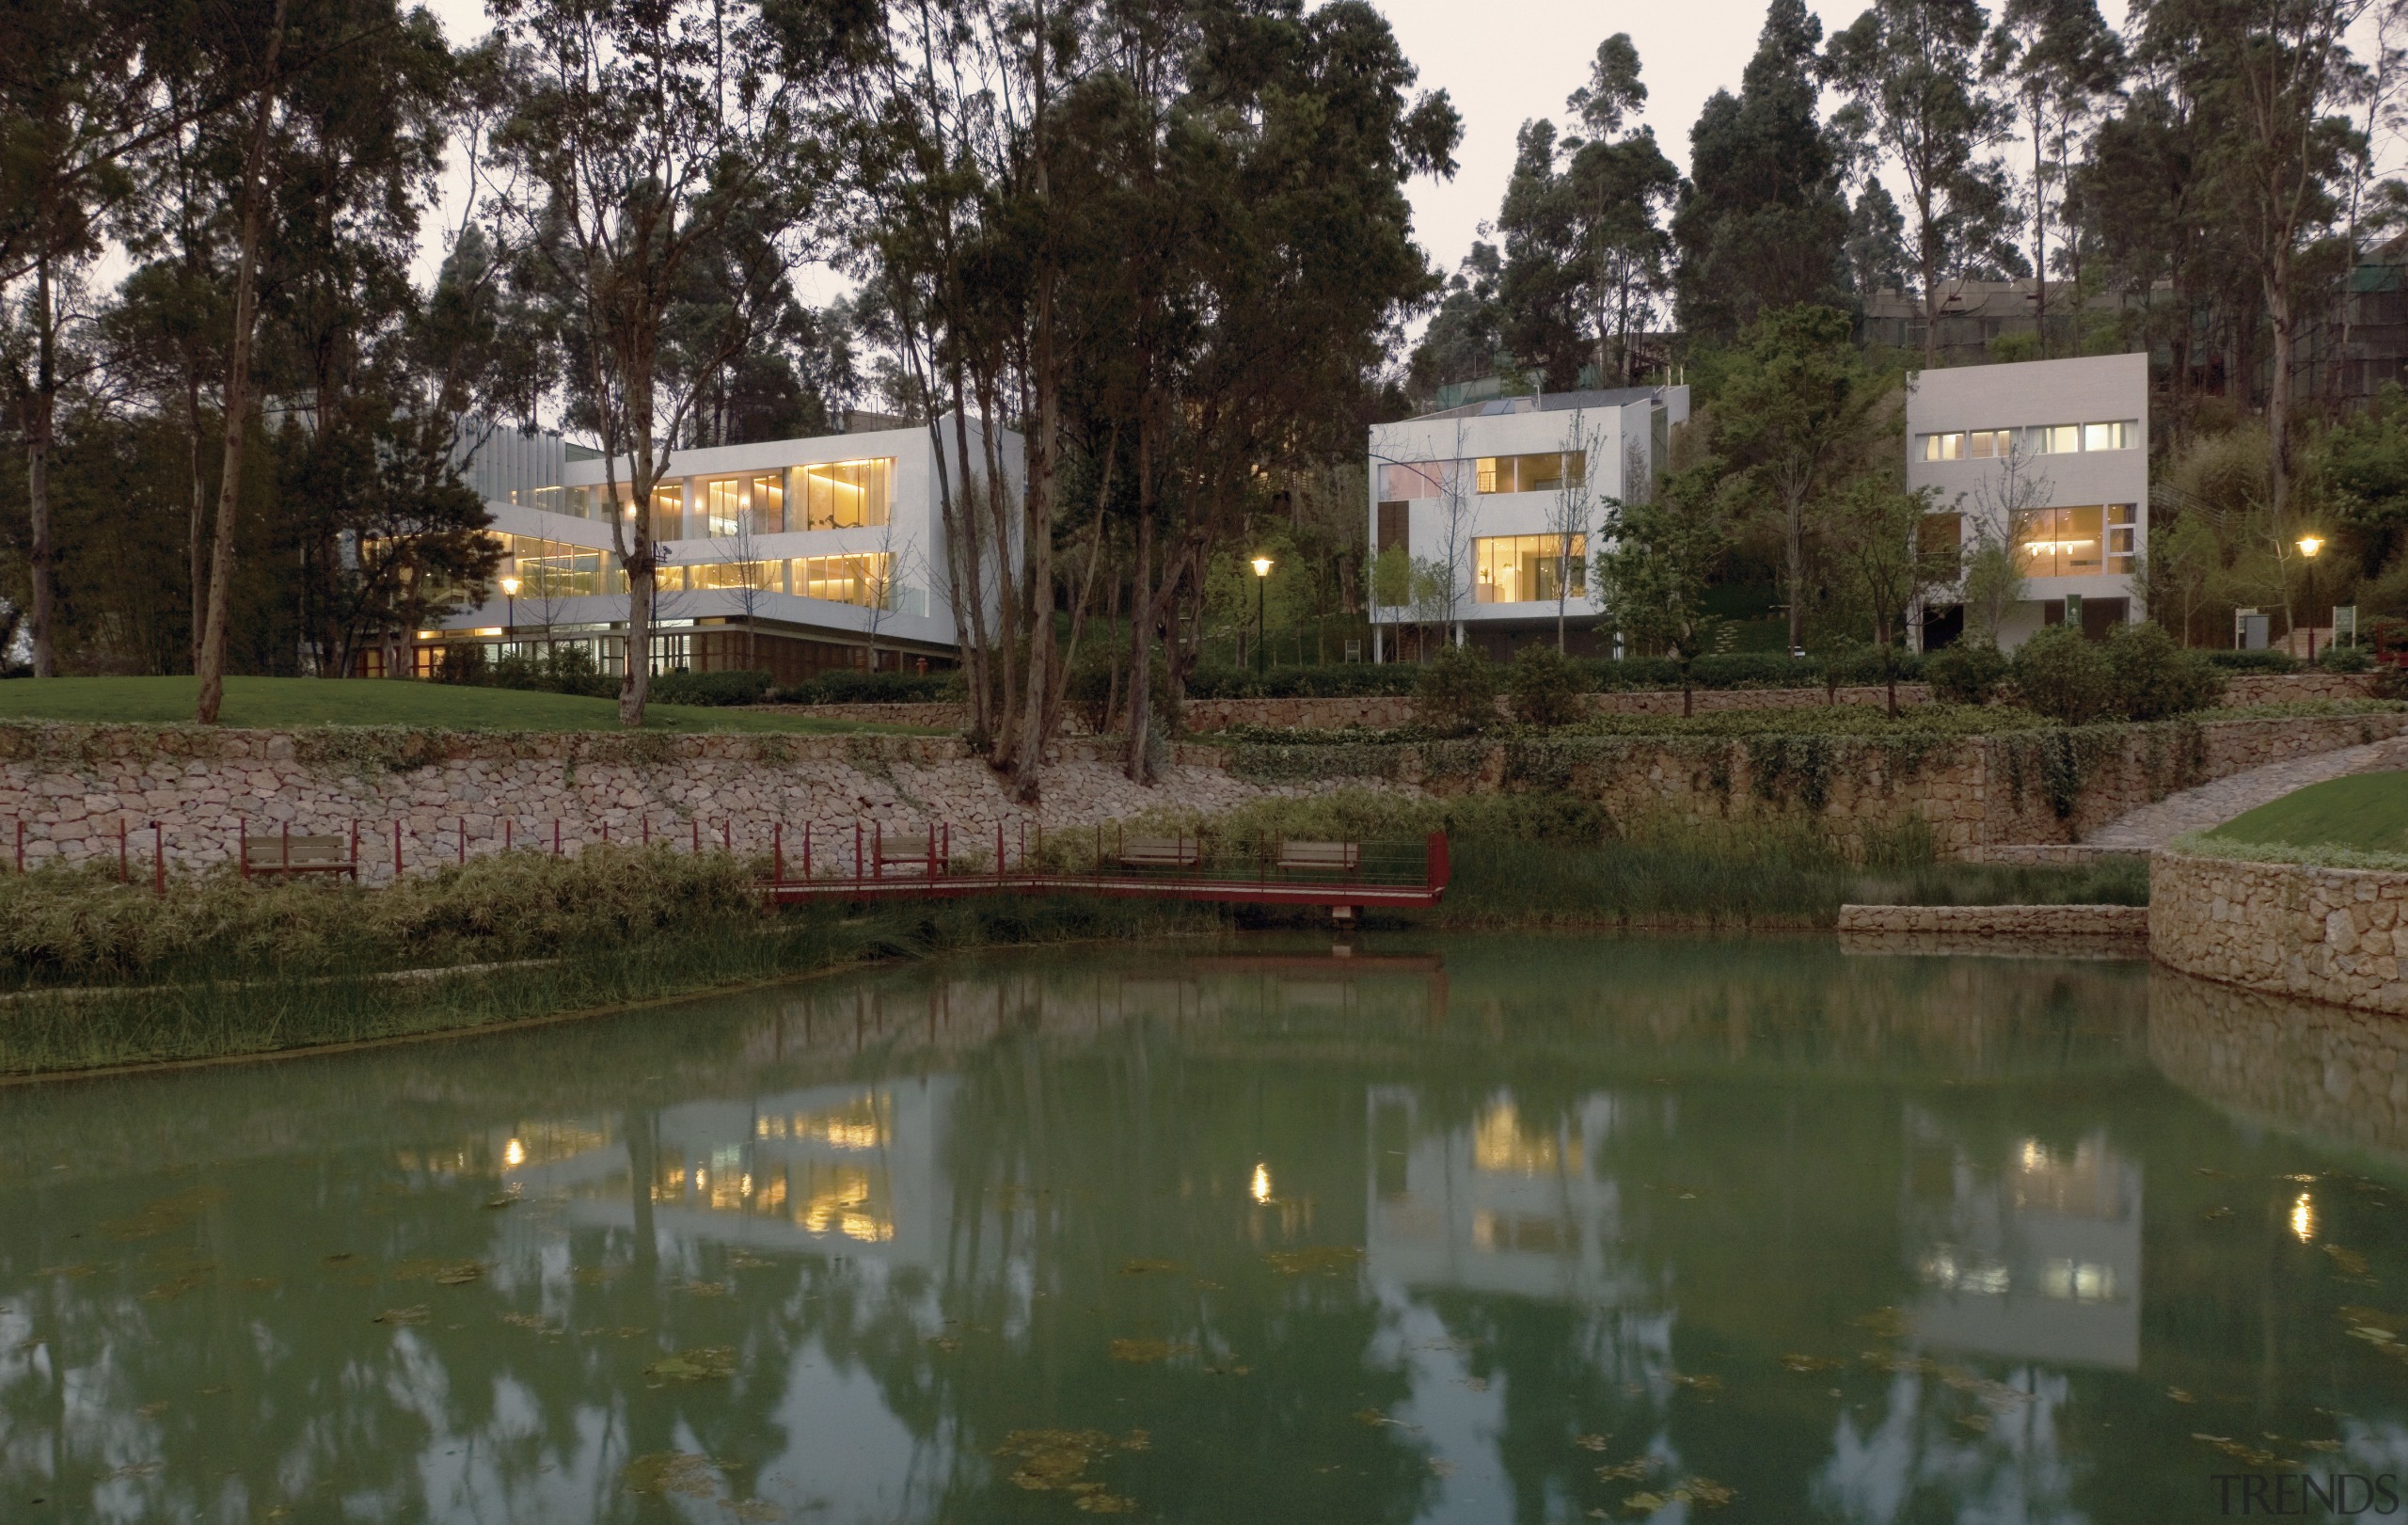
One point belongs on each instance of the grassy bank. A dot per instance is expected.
(284, 703)
(104, 975)
(1557, 860)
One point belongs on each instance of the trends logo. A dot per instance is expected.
(2336, 1494)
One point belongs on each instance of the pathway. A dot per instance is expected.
(2213, 805)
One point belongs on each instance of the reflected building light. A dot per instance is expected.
(1261, 1189)
(1948, 1269)
(1499, 1146)
(514, 1153)
(2084, 1281)
(2304, 1218)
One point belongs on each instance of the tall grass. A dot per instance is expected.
(1555, 859)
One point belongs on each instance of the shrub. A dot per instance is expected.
(844, 686)
(2344, 659)
(1545, 686)
(1456, 695)
(2153, 678)
(2268, 660)
(737, 688)
(558, 669)
(1968, 673)
(2059, 674)
(460, 664)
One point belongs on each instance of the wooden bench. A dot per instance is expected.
(1161, 852)
(905, 850)
(297, 855)
(1320, 857)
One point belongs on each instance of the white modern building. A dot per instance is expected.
(1468, 507)
(793, 556)
(2050, 458)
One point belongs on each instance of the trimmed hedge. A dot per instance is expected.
(2254, 661)
(843, 686)
(1716, 670)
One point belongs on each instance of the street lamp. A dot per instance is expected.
(1262, 586)
(510, 593)
(2308, 545)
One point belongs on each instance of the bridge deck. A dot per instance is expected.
(1377, 880)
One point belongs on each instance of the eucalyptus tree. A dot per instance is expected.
(2274, 77)
(1910, 71)
(643, 129)
(2061, 60)
(1793, 408)
(1622, 185)
(77, 96)
(1763, 218)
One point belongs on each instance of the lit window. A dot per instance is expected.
(845, 495)
(861, 581)
(2110, 435)
(753, 577)
(1547, 472)
(1949, 447)
(722, 505)
(2059, 541)
(1522, 568)
(2060, 439)
(2123, 536)
(1991, 444)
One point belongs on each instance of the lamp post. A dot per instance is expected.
(2308, 545)
(510, 620)
(1262, 587)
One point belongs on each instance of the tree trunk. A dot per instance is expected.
(38, 424)
(2283, 322)
(198, 515)
(238, 378)
(1794, 547)
(2039, 234)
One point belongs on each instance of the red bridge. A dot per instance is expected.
(1347, 877)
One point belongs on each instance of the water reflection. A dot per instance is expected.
(1472, 1231)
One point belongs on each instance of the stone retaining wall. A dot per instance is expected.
(1386, 711)
(2325, 934)
(1975, 794)
(65, 791)
(2000, 921)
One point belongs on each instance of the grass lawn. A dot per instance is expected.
(283, 702)
(2365, 812)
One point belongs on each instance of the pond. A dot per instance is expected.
(1475, 1229)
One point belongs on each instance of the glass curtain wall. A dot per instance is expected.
(1522, 568)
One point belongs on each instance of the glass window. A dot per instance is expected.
(722, 505)
(2060, 541)
(2123, 536)
(845, 495)
(1396, 521)
(668, 510)
(1521, 568)
(2122, 436)
(767, 503)
(861, 581)
(1949, 447)
(1546, 473)
(1940, 534)
(1417, 479)
(756, 577)
(1991, 444)
(2060, 439)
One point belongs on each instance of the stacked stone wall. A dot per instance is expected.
(67, 792)
(1388, 711)
(2339, 935)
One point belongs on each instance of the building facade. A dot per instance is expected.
(793, 556)
(1469, 507)
(2049, 458)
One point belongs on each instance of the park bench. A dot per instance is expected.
(1320, 857)
(1160, 853)
(286, 854)
(902, 847)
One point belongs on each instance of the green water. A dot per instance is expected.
(1463, 1230)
